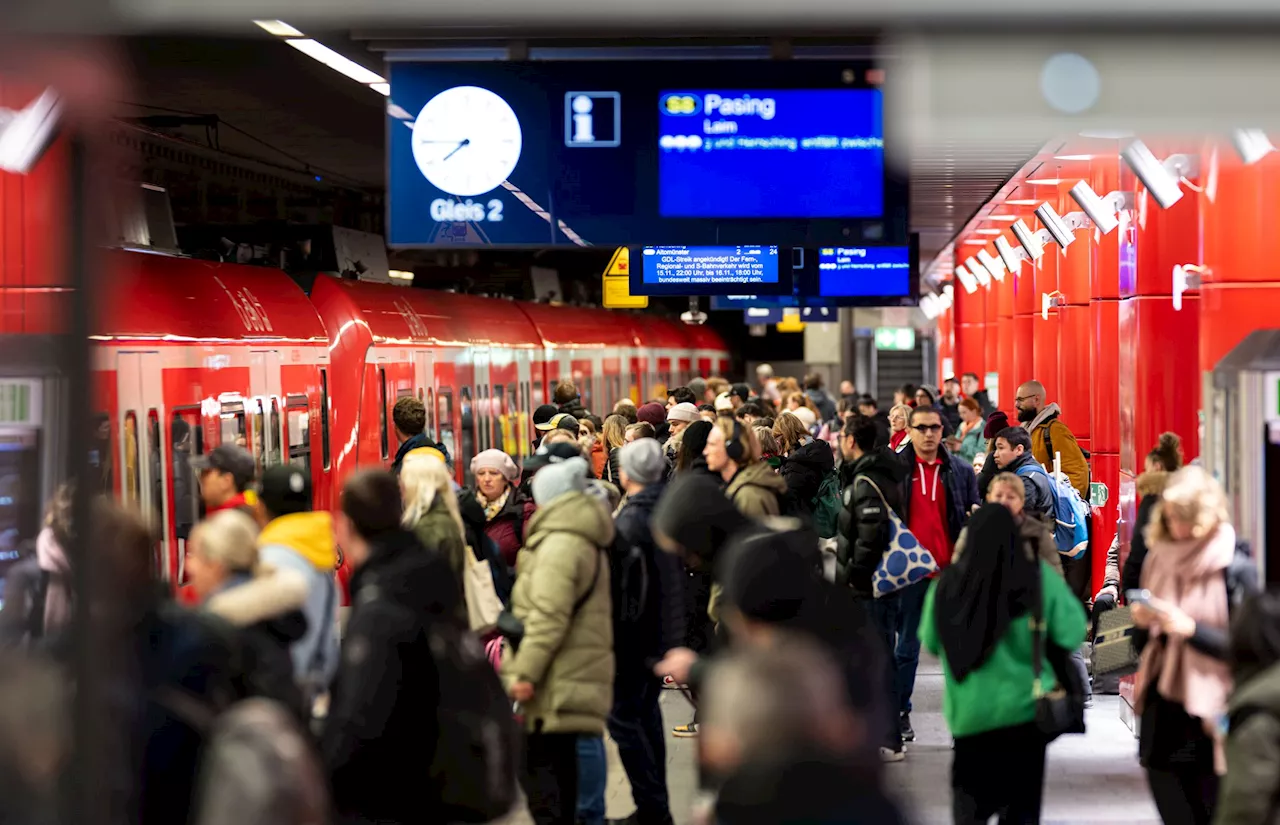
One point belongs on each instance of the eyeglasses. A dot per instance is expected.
(927, 428)
(1022, 398)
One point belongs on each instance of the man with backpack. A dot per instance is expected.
(648, 620)
(1013, 454)
(418, 727)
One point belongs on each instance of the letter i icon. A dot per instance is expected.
(582, 120)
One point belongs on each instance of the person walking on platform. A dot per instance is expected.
(977, 618)
(751, 484)
(938, 491)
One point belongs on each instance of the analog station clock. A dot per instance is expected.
(466, 141)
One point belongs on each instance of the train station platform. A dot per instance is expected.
(1089, 780)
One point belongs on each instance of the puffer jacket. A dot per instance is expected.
(438, 532)
(567, 657)
(1035, 532)
(864, 523)
(757, 491)
(803, 471)
(303, 543)
(1035, 484)
(1251, 789)
(507, 528)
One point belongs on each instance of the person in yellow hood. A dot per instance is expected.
(296, 538)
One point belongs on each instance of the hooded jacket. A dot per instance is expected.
(864, 523)
(379, 737)
(303, 543)
(1046, 427)
(413, 443)
(803, 471)
(756, 490)
(1251, 789)
(1039, 496)
(567, 657)
(826, 406)
(661, 624)
(961, 485)
(266, 611)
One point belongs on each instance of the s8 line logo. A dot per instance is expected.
(680, 104)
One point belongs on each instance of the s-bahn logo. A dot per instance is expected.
(252, 314)
(680, 104)
(417, 326)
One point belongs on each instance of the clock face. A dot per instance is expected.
(466, 141)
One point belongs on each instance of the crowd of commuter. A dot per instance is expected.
(778, 555)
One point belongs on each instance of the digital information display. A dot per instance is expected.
(771, 154)
(864, 271)
(630, 153)
(707, 270)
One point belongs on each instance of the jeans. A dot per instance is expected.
(637, 728)
(906, 652)
(593, 775)
(883, 614)
(1184, 797)
(550, 777)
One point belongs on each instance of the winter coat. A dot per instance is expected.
(971, 443)
(437, 531)
(267, 613)
(803, 471)
(1150, 487)
(599, 458)
(864, 523)
(756, 490)
(1250, 793)
(962, 488)
(825, 404)
(507, 528)
(1049, 427)
(661, 626)
(950, 415)
(303, 543)
(379, 737)
(574, 408)
(1035, 533)
(419, 440)
(1036, 486)
(613, 465)
(567, 657)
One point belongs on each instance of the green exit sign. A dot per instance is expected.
(895, 339)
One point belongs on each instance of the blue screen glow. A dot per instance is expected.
(706, 270)
(856, 271)
(771, 154)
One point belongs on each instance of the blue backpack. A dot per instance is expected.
(1070, 513)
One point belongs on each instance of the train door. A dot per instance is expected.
(525, 406)
(144, 455)
(265, 425)
(482, 404)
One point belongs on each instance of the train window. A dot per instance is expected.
(298, 418)
(324, 418)
(444, 415)
(468, 434)
(232, 425)
(508, 405)
(382, 411)
(259, 445)
(155, 455)
(274, 452)
(539, 396)
(486, 424)
(431, 413)
(405, 392)
(186, 439)
(132, 476)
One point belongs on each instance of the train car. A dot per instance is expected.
(192, 354)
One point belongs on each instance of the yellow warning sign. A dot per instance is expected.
(790, 321)
(615, 283)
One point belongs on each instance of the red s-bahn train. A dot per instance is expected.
(191, 354)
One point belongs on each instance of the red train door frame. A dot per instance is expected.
(143, 450)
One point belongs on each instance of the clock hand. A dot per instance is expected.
(465, 142)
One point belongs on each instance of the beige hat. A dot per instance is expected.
(683, 411)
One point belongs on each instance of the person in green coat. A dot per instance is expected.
(561, 672)
(431, 513)
(977, 618)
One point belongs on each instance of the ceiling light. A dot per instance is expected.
(1101, 210)
(979, 271)
(1022, 202)
(1161, 178)
(1008, 218)
(967, 281)
(945, 300)
(929, 306)
(381, 88)
(1059, 229)
(1073, 157)
(1011, 257)
(1029, 241)
(975, 242)
(318, 51)
(1252, 145)
(988, 231)
(400, 275)
(993, 264)
(1043, 181)
(1106, 134)
(278, 27)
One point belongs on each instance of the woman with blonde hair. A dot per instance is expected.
(615, 438)
(431, 509)
(899, 418)
(1194, 575)
(806, 462)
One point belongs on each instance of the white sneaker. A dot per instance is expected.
(890, 755)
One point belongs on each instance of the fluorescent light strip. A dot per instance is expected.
(1006, 218)
(278, 27)
(318, 51)
(990, 231)
(1044, 181)
(1023, 202)
(383, 89)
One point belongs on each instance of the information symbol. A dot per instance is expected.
(592, 119)
(582, 120)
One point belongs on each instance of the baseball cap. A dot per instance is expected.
(552, 454)
(560, 421)
(285, 489)
(543, 415)
(742, 391)
(228, 458)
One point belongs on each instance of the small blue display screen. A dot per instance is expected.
(708, 270)
(859, 271)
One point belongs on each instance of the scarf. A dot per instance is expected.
(965, 429)
(979, 596)
(1048, 412)
(492, 508)
(1190, 575)
(53, 560)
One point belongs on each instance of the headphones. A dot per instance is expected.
(734, 447)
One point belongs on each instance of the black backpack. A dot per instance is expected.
(473, 772)
(630, 580)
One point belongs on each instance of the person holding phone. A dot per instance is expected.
(1193, 575)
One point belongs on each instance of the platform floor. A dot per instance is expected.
(1090, 779)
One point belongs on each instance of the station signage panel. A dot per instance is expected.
(626, 153)
(708, 270)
